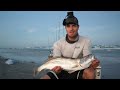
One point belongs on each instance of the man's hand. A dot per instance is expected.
(95, 63)
(57, 69)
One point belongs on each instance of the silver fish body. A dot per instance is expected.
(70, 65)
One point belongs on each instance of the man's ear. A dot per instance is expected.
(65, 27)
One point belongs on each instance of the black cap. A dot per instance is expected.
(70, 20)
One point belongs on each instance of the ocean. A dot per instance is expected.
(25, 55)
(110, 62)
(109, 59)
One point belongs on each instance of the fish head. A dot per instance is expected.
(90, 56)
(87, 59)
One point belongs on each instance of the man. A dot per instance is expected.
(72, 46)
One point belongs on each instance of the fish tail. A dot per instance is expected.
(34, 72)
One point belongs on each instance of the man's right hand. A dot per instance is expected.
(57, 69)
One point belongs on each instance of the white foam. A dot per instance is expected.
(9, 61)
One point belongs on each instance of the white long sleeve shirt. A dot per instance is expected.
(75, 50)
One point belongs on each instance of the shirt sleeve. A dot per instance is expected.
(57, 50)
(87, 48)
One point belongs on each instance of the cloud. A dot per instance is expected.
(32, 30)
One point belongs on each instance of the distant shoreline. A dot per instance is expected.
(50, 49)
(105, 48)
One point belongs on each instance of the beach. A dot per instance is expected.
(20, 70)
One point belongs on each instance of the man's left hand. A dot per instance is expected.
(95, 63)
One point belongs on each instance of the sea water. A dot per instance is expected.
(109, 59)
(26, 55)
(110, 62)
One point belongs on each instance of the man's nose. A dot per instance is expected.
(71, 28)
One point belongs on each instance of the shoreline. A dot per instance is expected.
(105, 48)
(19, 70)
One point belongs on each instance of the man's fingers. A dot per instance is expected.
(57, 69)
(95, 63)
(54, 68)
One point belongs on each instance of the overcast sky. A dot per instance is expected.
(39, 28)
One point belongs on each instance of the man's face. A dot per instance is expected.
(72, 30)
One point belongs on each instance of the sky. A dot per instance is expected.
(19, 29)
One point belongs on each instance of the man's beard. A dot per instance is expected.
(73, 37)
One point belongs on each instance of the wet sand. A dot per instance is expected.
(18, 70)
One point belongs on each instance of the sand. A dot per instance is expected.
(19, 70)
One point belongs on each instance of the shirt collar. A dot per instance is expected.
(71, 42)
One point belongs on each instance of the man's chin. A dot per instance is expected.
(71, 36)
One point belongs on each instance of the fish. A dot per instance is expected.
(68, 64)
